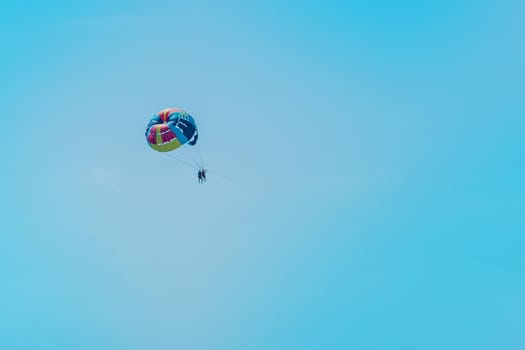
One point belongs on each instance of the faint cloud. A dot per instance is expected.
(37, 285)
(103, 176)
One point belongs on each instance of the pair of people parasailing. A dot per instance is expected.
(172, 128)
(201, 175)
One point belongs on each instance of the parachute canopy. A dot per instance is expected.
(170, 129)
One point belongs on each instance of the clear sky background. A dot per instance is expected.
(376, 151)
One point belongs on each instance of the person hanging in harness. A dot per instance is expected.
(201, 175)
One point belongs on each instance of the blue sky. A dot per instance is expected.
(365, 187)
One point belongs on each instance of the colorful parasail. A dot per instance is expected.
(170, 129)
